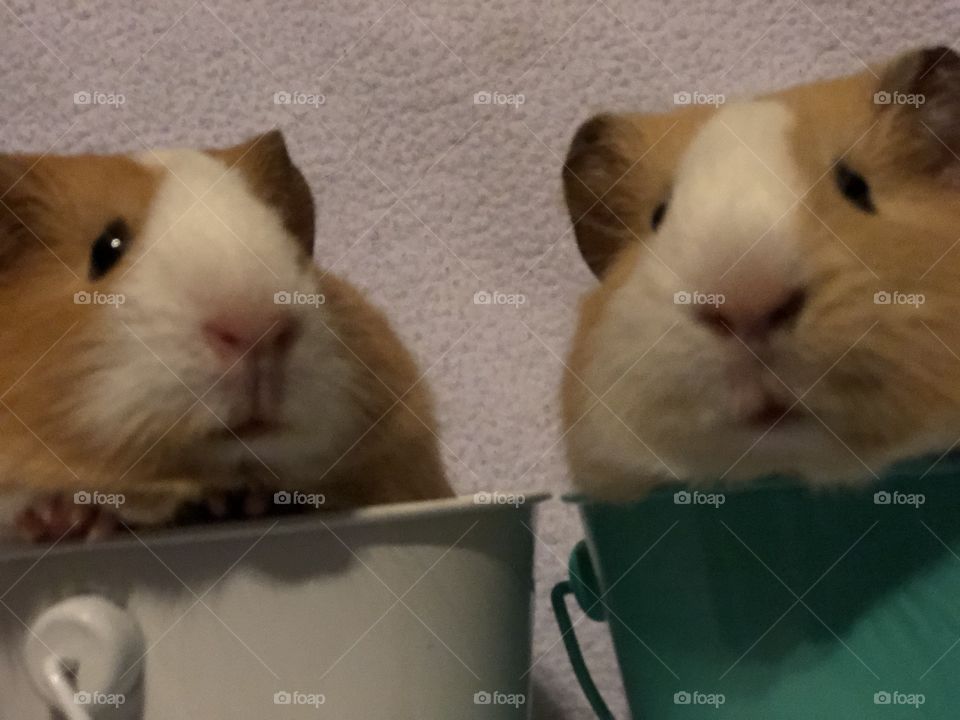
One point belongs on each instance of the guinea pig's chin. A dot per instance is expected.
(284, 454)
(669, 424)
(306, 431)
(226, 450)
(803, 449)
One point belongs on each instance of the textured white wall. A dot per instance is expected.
(423, 197)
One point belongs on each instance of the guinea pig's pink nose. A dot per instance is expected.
(753, 315)
(234, 336)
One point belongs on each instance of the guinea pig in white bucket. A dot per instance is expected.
(167, 340)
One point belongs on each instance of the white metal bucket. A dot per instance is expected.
(418, 611)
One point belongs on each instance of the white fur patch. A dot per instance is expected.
(210, 247)
(729, 218)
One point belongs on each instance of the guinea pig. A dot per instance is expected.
(167, 339)
(779, 284)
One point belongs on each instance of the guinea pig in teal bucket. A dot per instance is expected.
(778, 602)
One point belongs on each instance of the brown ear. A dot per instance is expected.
(265, 162)
(920, 94)
(21, 206)
(595, 177)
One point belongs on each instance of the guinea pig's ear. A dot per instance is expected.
(267, 165)
(921, 93)
(21, 206)
(594, 183)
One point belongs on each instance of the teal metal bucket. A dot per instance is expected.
(776, 602)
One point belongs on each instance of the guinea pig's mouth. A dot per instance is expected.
(252, 428)
(775, 414)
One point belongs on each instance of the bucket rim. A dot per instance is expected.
(256, 528)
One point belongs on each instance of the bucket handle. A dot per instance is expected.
(582, 578)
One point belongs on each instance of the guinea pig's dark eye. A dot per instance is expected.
(658, 212)
(108, 248)
(854, 187)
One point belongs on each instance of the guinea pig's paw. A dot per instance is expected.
(57, 517)
(252, 502)
(247, 503)
(257, 502)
